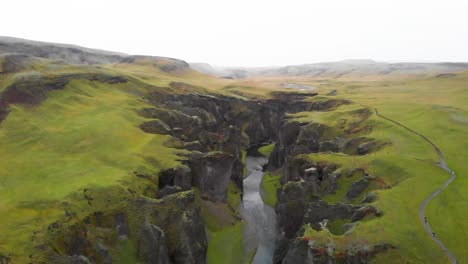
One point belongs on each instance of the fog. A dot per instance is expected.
(250, 33)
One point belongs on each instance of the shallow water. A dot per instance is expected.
(260, 230)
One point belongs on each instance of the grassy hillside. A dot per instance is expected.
(84, 140)
(77, 149)
(433, 106)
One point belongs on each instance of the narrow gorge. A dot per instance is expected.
(184, 211)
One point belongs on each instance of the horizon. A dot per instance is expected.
(255, 34)
(235, 66)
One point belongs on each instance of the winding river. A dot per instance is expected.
(260, 230)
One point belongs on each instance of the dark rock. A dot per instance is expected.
(329, 146)
(152, 247)
(369, 198)
(103, 252)
(4, 259)
(290, 217)
(121, 224)
(179, 176)
(370, 146)
(358, 187)
(194, 145)
(365, 211)
(281, 249)
(156, 127)
(363, 146)
(298, 253)
(212, 172)
(184, 227)
(317, 211)
(76, 259)
(168, 190)
(351, 147)
(292, 191)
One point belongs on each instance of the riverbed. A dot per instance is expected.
(260, 228)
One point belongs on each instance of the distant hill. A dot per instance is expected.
(72, 54)
(338, 69)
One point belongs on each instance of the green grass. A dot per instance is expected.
(344, 183)
(226, 245)
(267, 150)
(86, 136)
(436, 108)
(127, 252)
(244, 159)
(233, 196)
(411, 181)
(270, 185)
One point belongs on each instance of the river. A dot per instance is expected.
(260, 230)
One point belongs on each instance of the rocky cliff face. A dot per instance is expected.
(170, 230)
(305, 182)
(166, 225)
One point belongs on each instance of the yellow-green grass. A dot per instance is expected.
(406, 165)
(85, 136)
(270, 185)
(225, 231)
(435, 107)
(400, 224)
(267, 150)
(226, 245)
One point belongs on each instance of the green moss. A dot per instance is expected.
(244, 159)
(234, 195)
(267, 150)
(270, 186)
(337, 227)
(226, 245)
(127, 252)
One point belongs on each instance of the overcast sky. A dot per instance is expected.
(250, 32)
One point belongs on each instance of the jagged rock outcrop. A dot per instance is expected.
(180, 176)
(170, 230)
(152, 247)
(212, 172)
(310, 251)
(305, 182)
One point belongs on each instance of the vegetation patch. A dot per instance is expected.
(270, 185)
(267, 150)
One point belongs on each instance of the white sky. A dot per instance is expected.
(250, 33)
